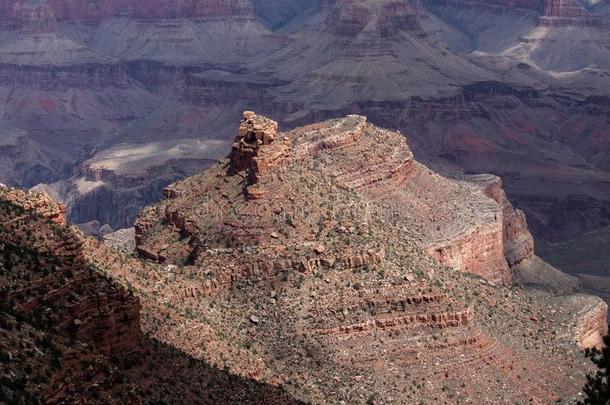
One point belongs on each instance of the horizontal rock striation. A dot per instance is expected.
(517, 240)
(442, 320)
(47, 278)
(96, 12)
(354, 135)
(498, 5)
(568, 13)
(44, 59)
(92, 77)
(482, 234)
(409, 327)
(592, 325)
(387, 17)
(478, 251)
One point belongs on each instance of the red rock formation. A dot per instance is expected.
(478, 251)
(489, 245)
(354, 134)
(392, 176)
(257, 151)
(38, 203)
(517, 240)
(333, 258)
(56, 287)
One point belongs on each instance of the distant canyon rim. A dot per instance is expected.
(104, 104)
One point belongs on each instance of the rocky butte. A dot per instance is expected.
(108, 102)
(329, 260)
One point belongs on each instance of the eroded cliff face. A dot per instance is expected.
(568, 13)
(40, 57)
(71, 334)
(517, 240)
(54, 274)
(349, 18)
(322, 235)
(593, 326)
(482, 234)
(76, 11)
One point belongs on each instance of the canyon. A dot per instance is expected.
(522, 98)
(320, 264)
(525, 103)
(115, 105)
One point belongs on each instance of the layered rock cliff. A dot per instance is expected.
(334, 237)
(83, 305)
(67, 10)
(70, 334)
(568, 13)
(41, 57)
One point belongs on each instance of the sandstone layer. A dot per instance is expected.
(351, 267)
(70, 334)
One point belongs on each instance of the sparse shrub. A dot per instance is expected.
(597, 389)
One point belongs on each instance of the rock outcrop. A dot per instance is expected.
(71, 334)
(257, 151)
(518, 242)
(483, 234)
(592, 325)
(83, 304)
(568, 13)
(371, 263)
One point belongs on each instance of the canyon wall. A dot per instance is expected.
(477, 251)
(55, 287)
(96, 12)
(552, 12)
(592, 325)
(498, 5)
(561, 13)
(517, 240)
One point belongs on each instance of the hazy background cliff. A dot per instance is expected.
(105, 103)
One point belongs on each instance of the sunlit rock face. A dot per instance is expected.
(334, 233)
